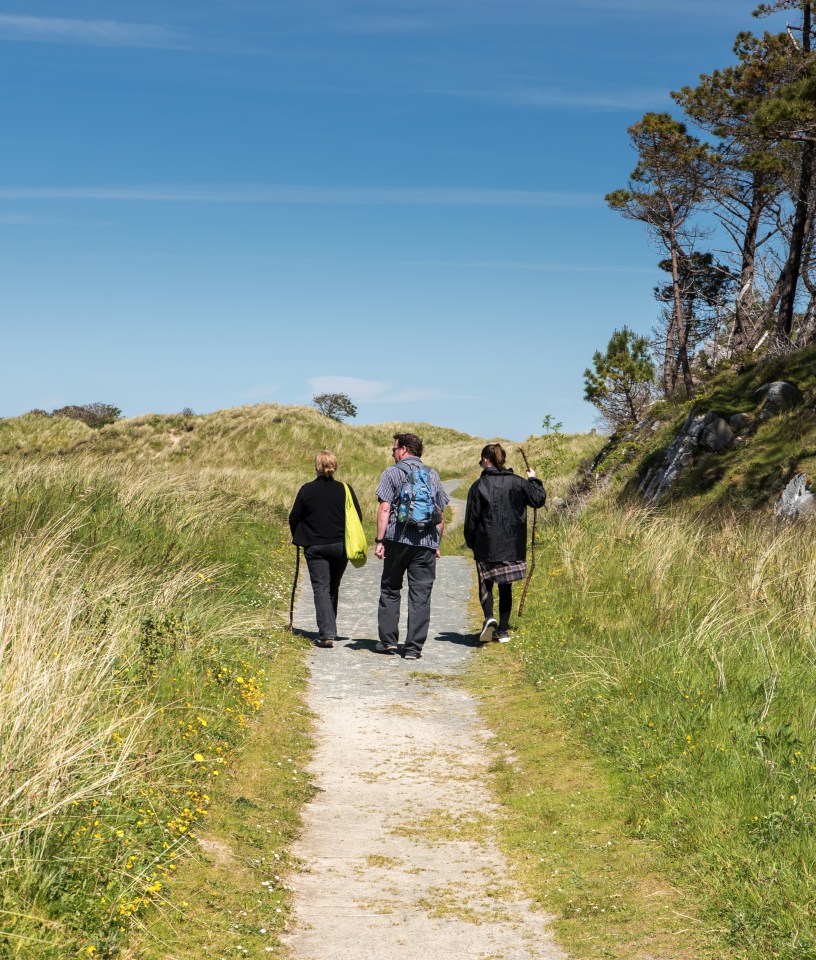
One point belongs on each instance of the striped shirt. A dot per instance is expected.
(388, 491)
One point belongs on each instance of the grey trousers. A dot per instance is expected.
(420, 565)
(327, 563)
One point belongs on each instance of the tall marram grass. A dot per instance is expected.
(684, 646)
(135, 616)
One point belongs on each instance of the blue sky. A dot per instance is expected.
(223, 203)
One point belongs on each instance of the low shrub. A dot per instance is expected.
(93, 414)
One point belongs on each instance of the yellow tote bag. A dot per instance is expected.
(356, 546)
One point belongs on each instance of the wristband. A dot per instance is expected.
(378, 540)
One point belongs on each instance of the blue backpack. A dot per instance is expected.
(416, 506)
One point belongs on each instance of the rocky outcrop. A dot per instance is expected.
(701, 433)
(797, 500)
(779, 396)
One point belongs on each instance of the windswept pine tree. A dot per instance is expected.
(670, 184)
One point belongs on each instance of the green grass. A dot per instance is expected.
(680, 650)
(141, 614)
(231, 892)
(565, 827)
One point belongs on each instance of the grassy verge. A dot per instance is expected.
(139, 611)
(681, 651)
(230, 898)
(566, 829)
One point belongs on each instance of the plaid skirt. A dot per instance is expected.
(506, 572)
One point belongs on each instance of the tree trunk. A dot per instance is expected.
(679, 320)
(741, 335)
(793, 265)
(669, 362)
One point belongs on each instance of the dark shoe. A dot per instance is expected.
(385, 647)
(412, 655)
(325, 642)
(502, 637)
(488, 629)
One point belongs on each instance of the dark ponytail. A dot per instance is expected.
(494, 452)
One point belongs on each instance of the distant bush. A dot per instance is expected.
(36, 412)
(93, 414)
(188, 412)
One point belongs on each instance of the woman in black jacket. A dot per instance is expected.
(318, 523)
(496, 532)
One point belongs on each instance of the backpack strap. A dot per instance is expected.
(405, 470)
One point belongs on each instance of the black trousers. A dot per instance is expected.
(505, 601)
(327, 563)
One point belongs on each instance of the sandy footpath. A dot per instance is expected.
(398, 856)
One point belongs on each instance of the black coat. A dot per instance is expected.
(319, 512)
(496, 515)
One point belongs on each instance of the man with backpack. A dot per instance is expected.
(409, 527)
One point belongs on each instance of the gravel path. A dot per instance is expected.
(398, 855)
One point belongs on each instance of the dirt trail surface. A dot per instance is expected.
(398, 857)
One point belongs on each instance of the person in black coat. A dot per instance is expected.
(318, 524)
(496, 532)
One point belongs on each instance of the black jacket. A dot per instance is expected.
(319, 512)
(496, 514)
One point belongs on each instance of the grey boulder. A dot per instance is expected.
(779, 396)
(797, 500)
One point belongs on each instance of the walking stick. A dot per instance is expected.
(294, 587)
(532, 545)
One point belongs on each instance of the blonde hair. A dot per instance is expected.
(326, 463)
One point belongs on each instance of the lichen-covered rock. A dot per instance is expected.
(779, 396)
(740, 422)
(706, 432)
(797, 500)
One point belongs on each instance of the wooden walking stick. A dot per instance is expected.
(532, 545)
(294, 587)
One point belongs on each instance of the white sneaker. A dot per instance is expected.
(502, 637)
(488, 629)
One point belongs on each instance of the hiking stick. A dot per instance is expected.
(294, 587)
(532, 545)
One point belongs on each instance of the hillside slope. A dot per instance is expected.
(766, 450)
(267, 450)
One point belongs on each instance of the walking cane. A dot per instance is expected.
(532, 545)
(294, 587)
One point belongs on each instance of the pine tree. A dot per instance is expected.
(791, 116)
(668, 186)
(620, 386)
(750, 170)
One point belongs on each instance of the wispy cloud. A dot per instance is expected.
(362, 391)
(371, 391)
(29, 220)
(557, 99)
(722, 8)
(101, 33)
(413, 395)
(525, 266)
(386, 25)
(351, 196)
